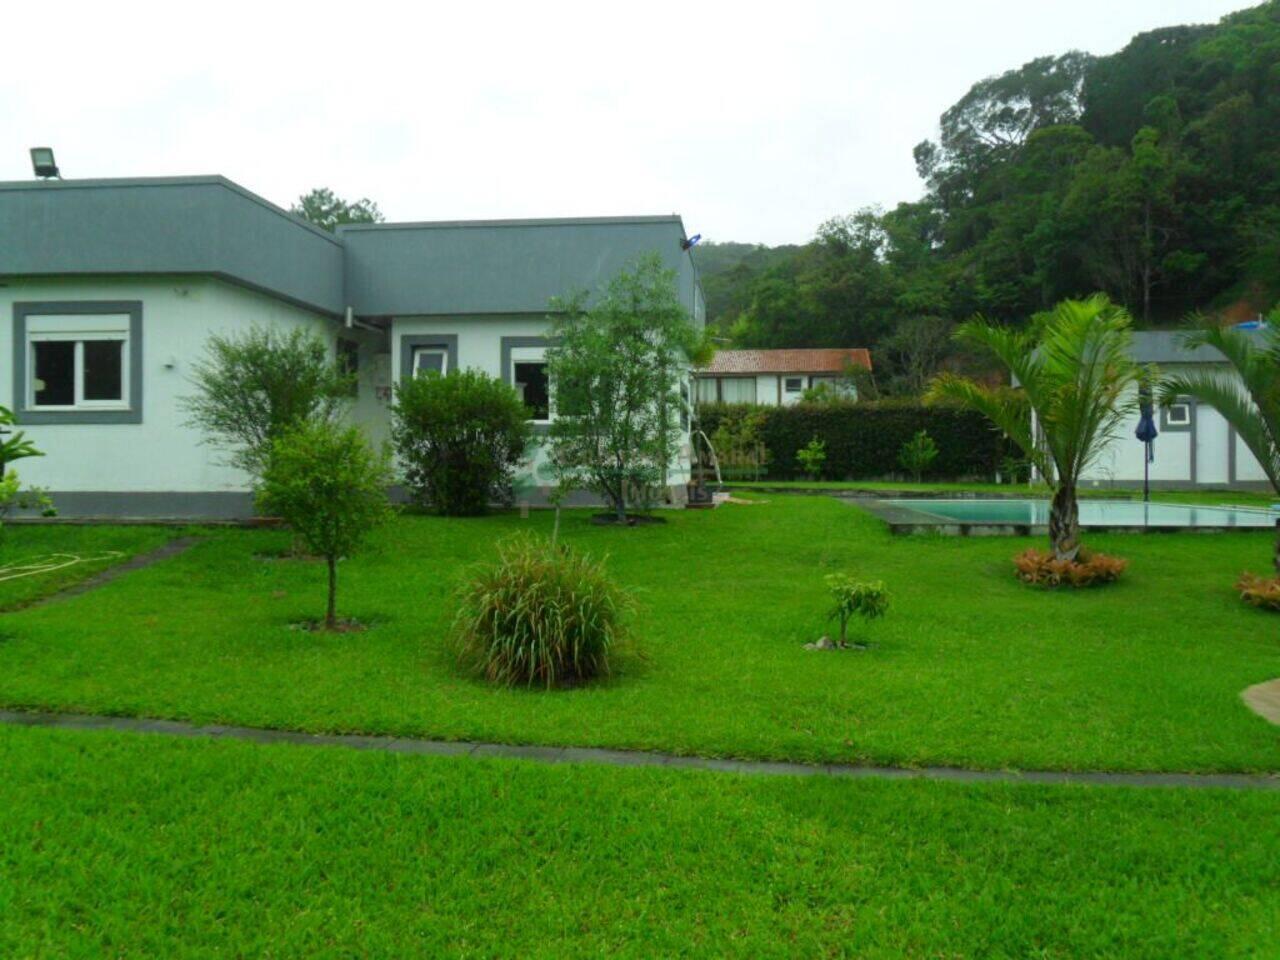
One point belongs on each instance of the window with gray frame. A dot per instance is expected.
(78, 362)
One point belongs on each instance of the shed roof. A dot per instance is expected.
(1165, 346)
(787, 361)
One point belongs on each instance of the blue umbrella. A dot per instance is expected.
(1147, 433)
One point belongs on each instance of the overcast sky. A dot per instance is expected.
(755, 122)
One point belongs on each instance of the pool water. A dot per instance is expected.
(1093, 513)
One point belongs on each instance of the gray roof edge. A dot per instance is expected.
(207, 180)
(227, 278)
(531, 222)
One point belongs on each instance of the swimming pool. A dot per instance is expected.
(1113, 514)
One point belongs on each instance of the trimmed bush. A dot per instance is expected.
(459, 439)
(1088, 569)
(542, 615)
(1263, 592)
(863, 440)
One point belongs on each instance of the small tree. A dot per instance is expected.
(328, 211)
(868, 600)
(253, 387)
(812, 458)
(918, 454)
(330, 486)
(16, 446)
(1075, 374)
(459, 439)
(616, 371)
(1248, 398)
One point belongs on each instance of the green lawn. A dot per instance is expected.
(140, 846)
(970, 667)
(84, 550)
(1254, 498)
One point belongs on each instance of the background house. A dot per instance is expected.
(1196, 446)
(115, 286)
(776, 377)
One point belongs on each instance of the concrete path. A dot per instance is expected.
(1264, 700)
(634, 758)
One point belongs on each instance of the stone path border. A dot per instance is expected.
(633, 758)
(170, 548)
(1264, 700)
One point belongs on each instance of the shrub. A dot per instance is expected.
(868, 600)
(617, 366)
(459, 439)
(812, 457)
(918, 454)
(1261, 592)
(863, 440)
(330, 486)
(255, 387)
(1088, 569)
(543, 615)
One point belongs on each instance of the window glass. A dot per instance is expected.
(103, 369)
(738, 389)
(794, 384)
(1179, 414)
(429, 360)
(349, 362)
(531, 383)
(53, 382)
(706, 390)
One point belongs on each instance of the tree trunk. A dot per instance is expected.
(1064, 523)
(555, 528)
(331, 612)
(1277, 556)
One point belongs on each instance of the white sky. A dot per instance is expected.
(754, 121)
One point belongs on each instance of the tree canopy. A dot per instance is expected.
(1151, 175)
(327, 210)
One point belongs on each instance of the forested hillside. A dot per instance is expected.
(1152, 174)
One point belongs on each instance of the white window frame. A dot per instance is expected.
(441, 352)
(534, 355)
(79, 338)
(798, 388)
(1184, 417)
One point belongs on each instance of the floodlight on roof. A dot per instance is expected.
(43, 164)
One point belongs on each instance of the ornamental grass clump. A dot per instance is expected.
(1263, 592)
(543, 615)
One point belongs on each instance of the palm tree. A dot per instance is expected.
(1248, 397)
(1073, 371)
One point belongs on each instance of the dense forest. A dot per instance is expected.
(1152, 174)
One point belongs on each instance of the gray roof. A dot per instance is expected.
(169, 225)
(500, 266)
(1165, 346)
(209, 225)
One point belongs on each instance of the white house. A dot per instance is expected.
(1196, 446)
(776, 377)
(113, 288)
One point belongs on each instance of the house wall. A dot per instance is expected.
(158, 466)
(477, 343)
(1199, 454)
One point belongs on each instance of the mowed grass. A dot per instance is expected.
(83, 552)
(970, 667)
(134, 845)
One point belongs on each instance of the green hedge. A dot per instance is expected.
(863, 439)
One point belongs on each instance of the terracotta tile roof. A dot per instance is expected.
(787, 361)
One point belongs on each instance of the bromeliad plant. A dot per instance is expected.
(1248, 397)
(1076, 385)
(853, 597)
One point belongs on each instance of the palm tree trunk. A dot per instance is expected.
(331, 613)
(1277, 556)
(1064, 523)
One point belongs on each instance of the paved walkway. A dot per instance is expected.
(634, 758)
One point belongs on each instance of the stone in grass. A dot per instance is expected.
(826, 643)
